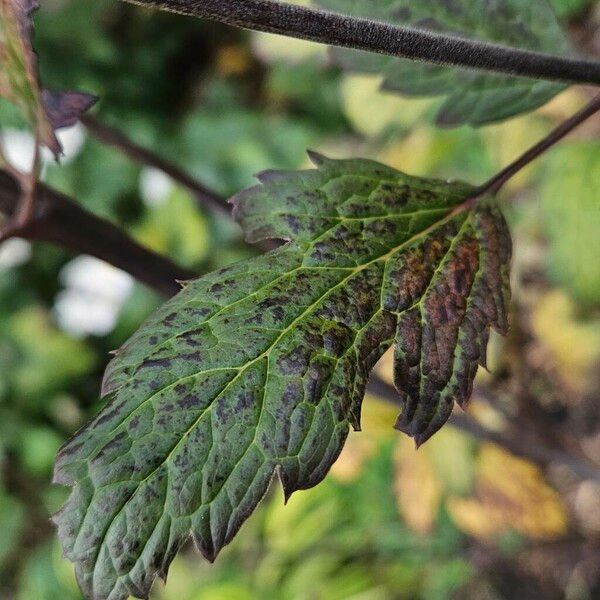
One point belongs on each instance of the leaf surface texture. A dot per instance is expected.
(260, 368)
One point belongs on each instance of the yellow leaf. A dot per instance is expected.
(451, 454)
(377, 418)
(573, 344)
(372, 111)
(561, 107)
(233, 60)
(417, 152)
(510, 494)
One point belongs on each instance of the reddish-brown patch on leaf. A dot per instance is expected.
(443, 339)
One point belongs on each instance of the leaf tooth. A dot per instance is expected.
(483, 346)
(354, 416)
(442, 413)
(238, 200)
(64, 109)
(316, 158)
(205, 546)
(271, 176)
(289, 484)
(184, 283)
(466, 386)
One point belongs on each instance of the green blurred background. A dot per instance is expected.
(460, 518)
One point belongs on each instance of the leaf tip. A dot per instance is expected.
(209, 554)
(410, 429)
(64, 109)
(287, 485)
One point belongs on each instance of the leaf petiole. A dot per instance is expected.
(495, 184)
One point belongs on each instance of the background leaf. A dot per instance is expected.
(471, 97)
(510, 494)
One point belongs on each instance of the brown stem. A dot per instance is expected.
(494, 185)
(23, 213)
(59, 220)
(28, 184)
(109, 135)
(325, 27)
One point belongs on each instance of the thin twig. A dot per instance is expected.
(520, 444)
(112, 136)
(61, 221)
(495, 184)
(214, 201)
(383, 38)
(27, 183)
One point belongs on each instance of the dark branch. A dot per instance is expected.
(109, 135)
(519, 443)
(382, 38)
(59, 220)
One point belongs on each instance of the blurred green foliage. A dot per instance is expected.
(225, 104)
(571, 210)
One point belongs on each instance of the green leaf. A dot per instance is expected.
(260, 368)
(471, 97)
(44, 110)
